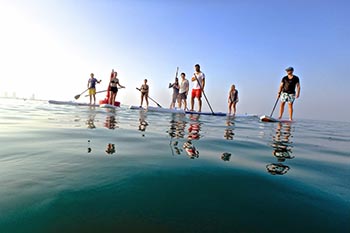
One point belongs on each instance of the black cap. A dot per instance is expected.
(290, 69)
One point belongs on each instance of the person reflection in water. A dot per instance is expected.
(110, 149)
(228, 135)
(282, 149)
(191, 150)
(111, 122)
(194, 128)
(91, 120)
(142, 122)
(176, 131)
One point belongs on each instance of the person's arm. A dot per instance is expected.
(203, 84)
(88, 85)
(280, 90)
(298, 90)
(194, 78)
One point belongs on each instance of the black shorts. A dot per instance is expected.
(114, 89)
(182, 96)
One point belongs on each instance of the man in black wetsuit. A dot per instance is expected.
(287, 91)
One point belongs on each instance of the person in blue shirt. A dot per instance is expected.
(92, 87)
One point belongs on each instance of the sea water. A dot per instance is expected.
(89, 169)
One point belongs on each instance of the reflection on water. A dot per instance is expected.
(177, 132)
(142, 121)
(110, 148)
(226, 156)
(194, 128)
(191, 150)
(228, 135)
(177, 126)
(111, 122)
(89, 148)
(282, 149)
(91, 119)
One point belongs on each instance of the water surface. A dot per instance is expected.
(82, 169)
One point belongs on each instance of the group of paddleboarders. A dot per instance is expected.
(181, 89)
(288, 91)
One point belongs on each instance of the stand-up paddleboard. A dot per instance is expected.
(71, 103)
(176, 110)
(110, 105)
(265, 118)
(207, 113)
(157, 109)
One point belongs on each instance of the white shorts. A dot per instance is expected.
(285, 97)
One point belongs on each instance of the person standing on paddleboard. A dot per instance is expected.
(232, 100)
(183, 92)
(198, 80)
(175, 96)
(113, 84)
(287, 92)
(144, 92)
(92, 87)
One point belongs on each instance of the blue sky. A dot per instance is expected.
(51, 47)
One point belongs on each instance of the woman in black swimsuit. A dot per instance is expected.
(113, 84)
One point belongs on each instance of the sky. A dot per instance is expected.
(50, 47)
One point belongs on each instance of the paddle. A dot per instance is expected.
(78, 96)
(274, 107)
(205, 96)
(150, 98)
(97, 92)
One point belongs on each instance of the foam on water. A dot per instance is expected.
(71, 168)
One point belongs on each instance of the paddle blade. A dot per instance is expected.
(77, 97)
(268, 119)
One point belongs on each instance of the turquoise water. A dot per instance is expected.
(81, 169)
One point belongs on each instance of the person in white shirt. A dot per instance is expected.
(198, 80)
(183, 92)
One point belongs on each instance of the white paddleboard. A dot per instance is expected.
(158, 109)
(108, 106)
(265, 118)
(70, 103)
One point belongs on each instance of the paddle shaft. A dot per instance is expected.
(205, 96)
(78, 96)
(97, 92)
(150, 98)
(274, 107)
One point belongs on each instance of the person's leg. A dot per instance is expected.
(110, 97)
(115, 97)
(229, 108)
(142, 95)
(90, 98)
(290, 107)
(200, 104)
(94, 99)
(281, 109)
(146, 96)
(234, 108)
(192, 102)
(179, 102)
(185, 103)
